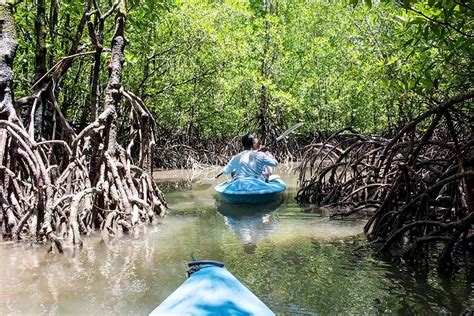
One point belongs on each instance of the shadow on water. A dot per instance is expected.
(251, 223)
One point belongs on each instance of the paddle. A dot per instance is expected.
(210, 181)
(284, 134)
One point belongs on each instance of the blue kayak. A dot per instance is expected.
(211, 290)
(250, 190)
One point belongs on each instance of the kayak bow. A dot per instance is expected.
(211, 290)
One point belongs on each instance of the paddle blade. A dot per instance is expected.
(288, 131)
(204, 183)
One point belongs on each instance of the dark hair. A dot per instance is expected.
(247, 141)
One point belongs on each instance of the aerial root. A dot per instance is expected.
(416, 186)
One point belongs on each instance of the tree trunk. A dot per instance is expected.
(8, 46)
(53, 24)
(264, 70)
(40, 33)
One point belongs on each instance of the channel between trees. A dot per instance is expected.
(64, 177)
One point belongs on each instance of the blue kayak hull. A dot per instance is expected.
(250, 190)
(212, 290)
(248, 198)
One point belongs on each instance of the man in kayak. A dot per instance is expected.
(249, 162)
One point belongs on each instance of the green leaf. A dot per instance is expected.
(354, 2)
(417, 20)
(407, 43)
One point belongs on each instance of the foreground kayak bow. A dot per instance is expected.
(211, 290)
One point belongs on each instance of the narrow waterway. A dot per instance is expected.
(297, 262)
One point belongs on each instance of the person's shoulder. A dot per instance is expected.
(263, 154)
(244, 152)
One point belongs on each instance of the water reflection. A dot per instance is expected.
(251, 223)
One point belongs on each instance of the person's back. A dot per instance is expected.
(249, 163)
(258, 146)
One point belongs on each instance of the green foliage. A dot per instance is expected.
(198, 65)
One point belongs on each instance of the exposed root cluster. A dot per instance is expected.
(59, 185)
(174, 152)
(418, 185)
(178, 152)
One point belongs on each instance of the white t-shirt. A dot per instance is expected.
(249, 163)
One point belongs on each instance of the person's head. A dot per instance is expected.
(257, 143)
(247, 141)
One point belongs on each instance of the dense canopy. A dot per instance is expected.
(212, 69)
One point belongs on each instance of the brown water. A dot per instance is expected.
(298, 263)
